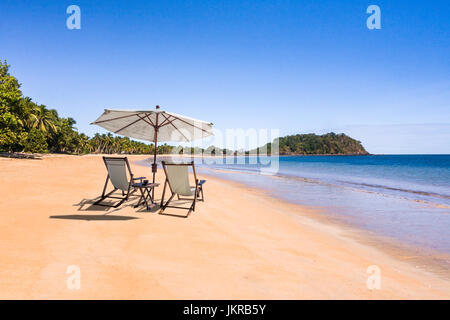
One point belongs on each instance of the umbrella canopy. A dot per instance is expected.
(154, 125)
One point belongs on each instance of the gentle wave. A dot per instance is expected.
(337, 183)
(424, 193)
(405, 198)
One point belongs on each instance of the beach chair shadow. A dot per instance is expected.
(89, 217)
(181, 203)
(89, 205)
(143, 208)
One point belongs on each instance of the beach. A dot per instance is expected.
(241, 243)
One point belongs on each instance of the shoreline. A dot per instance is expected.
(238, 244)
(424, 258)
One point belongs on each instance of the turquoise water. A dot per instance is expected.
(405, 197)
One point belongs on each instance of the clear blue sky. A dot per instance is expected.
(300, 66)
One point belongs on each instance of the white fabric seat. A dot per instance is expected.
(117, 173)
(177, 179)
(121, 178)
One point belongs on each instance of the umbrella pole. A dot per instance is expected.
(154, 166)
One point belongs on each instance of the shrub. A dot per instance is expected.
(36, 142)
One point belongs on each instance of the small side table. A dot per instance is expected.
(146, 194)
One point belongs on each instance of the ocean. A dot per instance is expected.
(403, 197)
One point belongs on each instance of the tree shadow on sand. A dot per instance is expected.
(20, 155)
(89, 217)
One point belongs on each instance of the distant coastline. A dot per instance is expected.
(29, 155)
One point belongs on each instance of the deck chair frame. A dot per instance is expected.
(125, 193)
(198, 192)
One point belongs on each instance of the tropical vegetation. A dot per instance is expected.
(30, 127)
(26, 126)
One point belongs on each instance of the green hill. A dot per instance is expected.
(312, 144)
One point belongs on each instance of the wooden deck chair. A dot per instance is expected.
(117, 168)
(177, 179)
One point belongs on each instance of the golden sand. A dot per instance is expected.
(239, 244)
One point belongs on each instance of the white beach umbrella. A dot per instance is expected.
(154, 125)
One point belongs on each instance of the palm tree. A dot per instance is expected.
(108, 142)
(23, 112)
(44, 119)
(83, 144)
